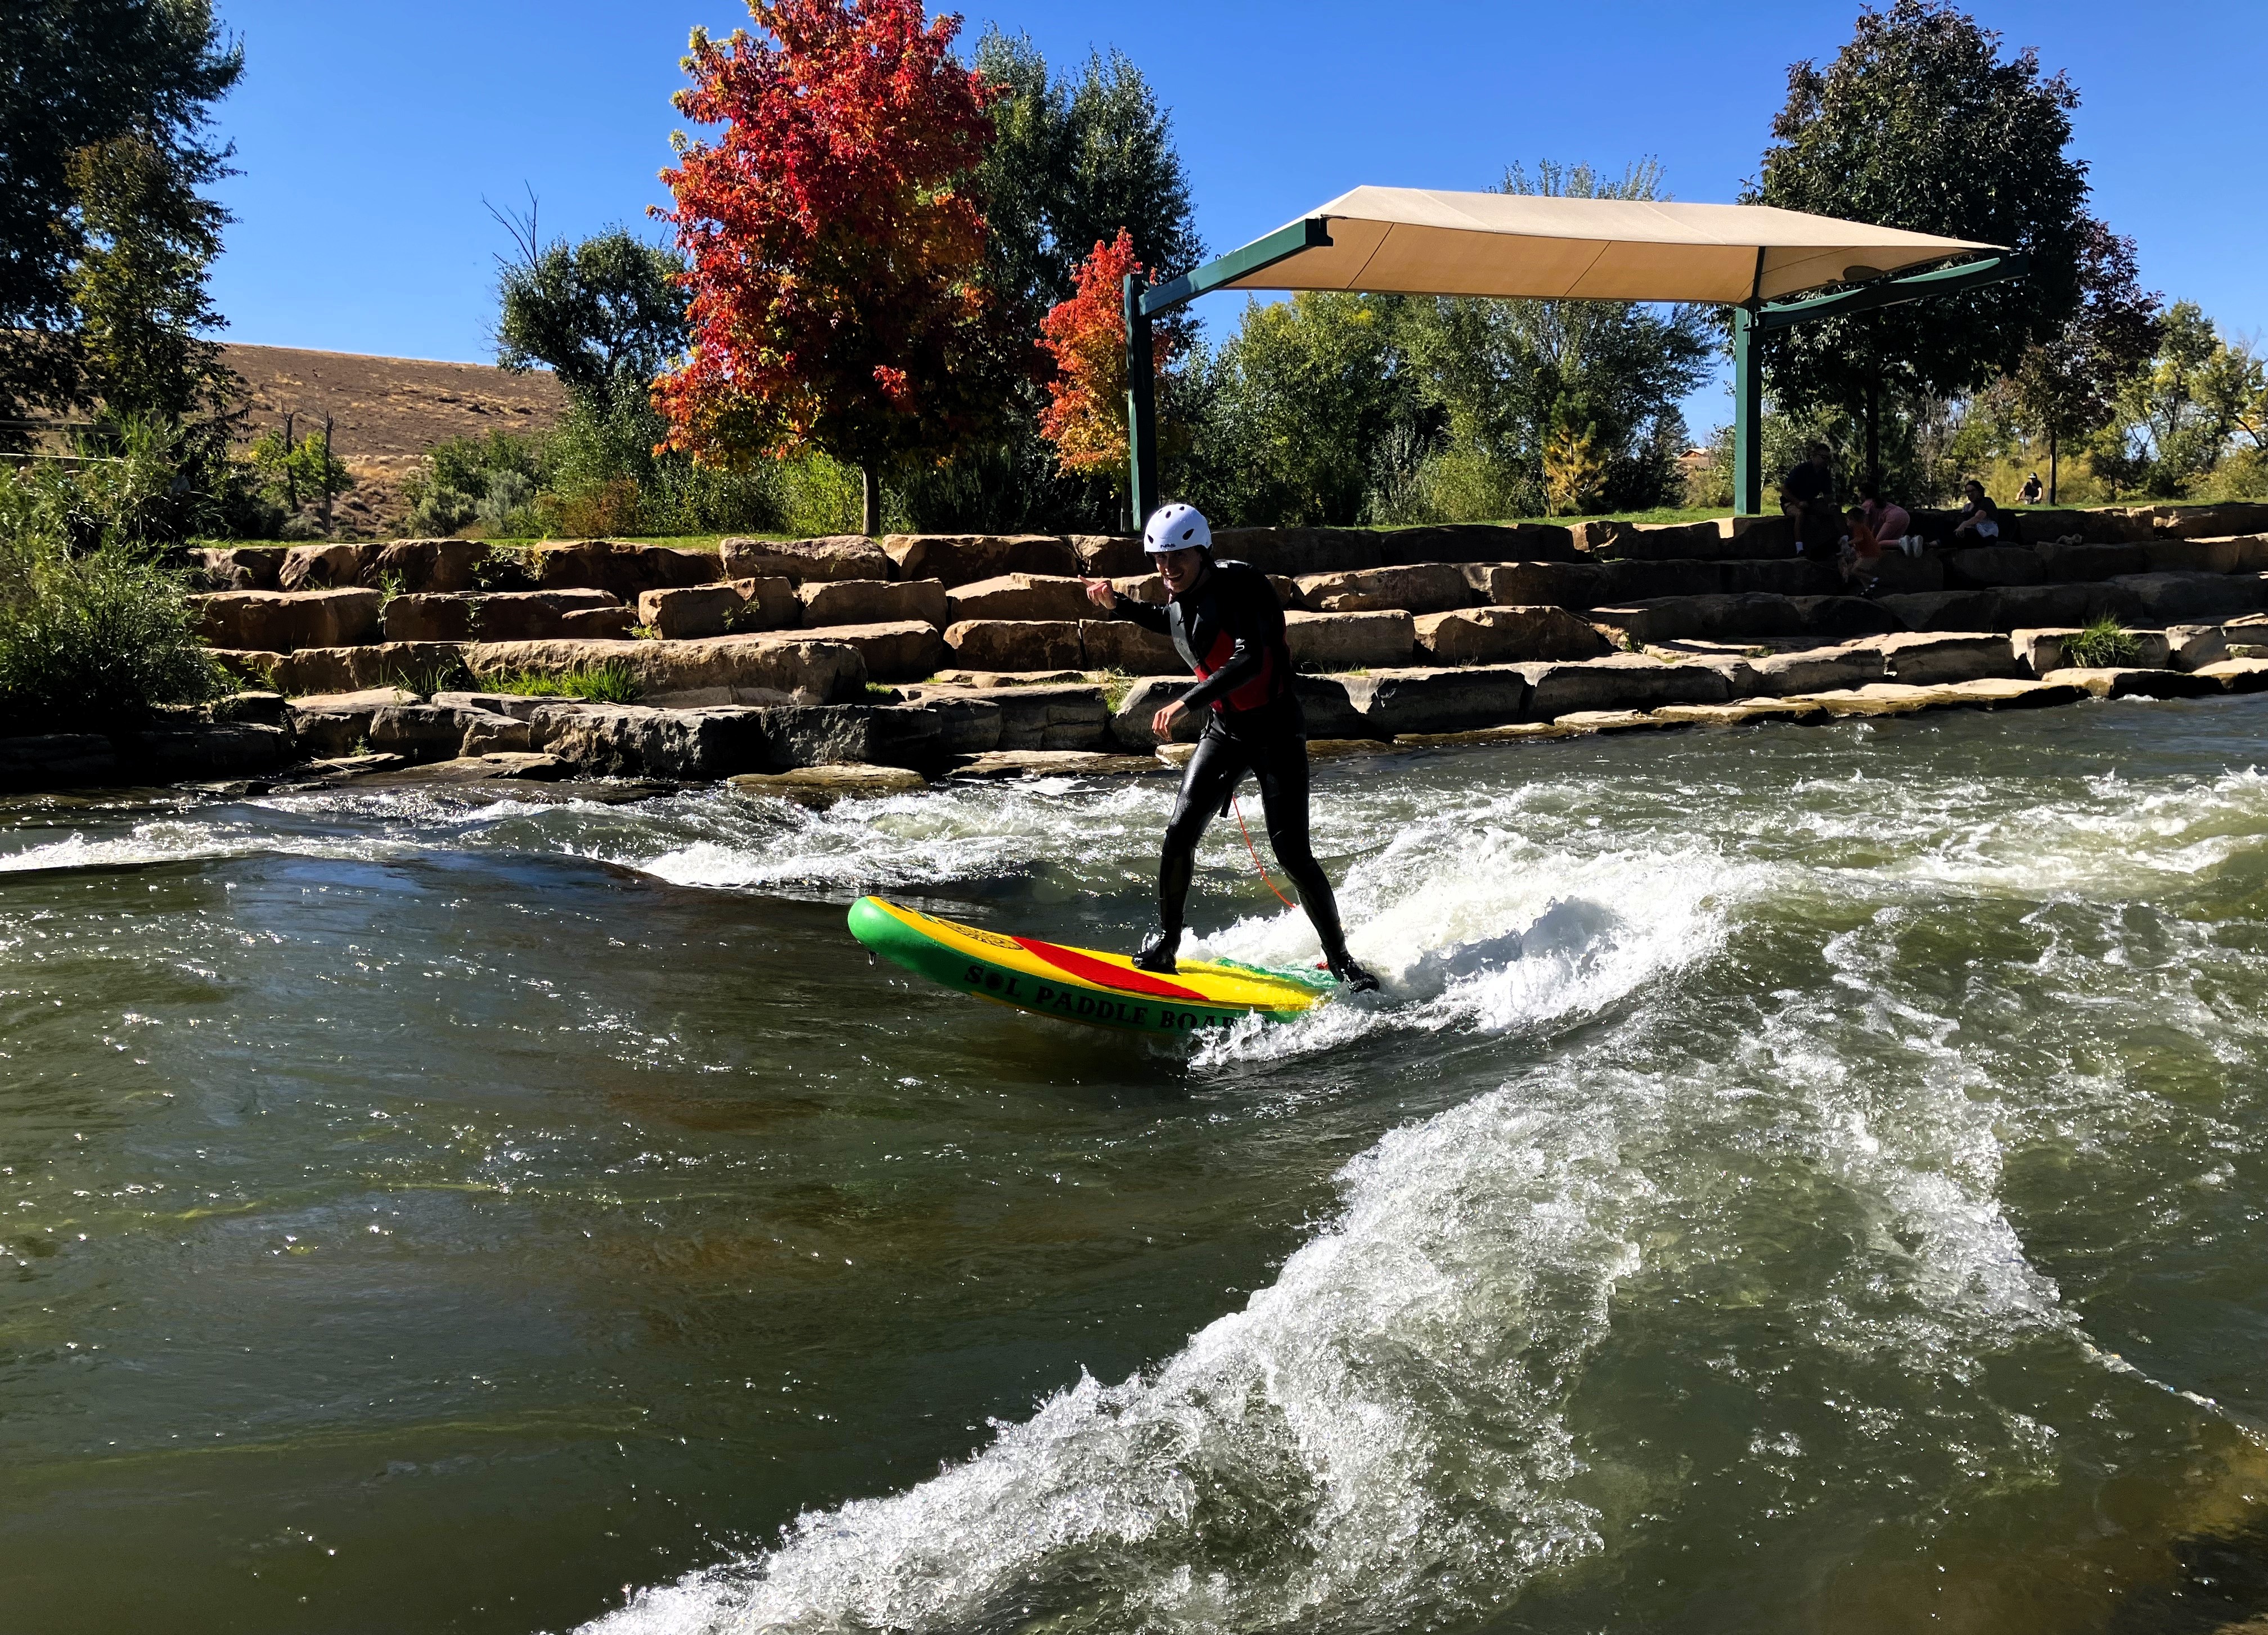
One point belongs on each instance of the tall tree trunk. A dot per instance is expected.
(2051, 466)
(1874, 436)
(870, 509)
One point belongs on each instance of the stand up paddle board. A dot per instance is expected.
(1081, 985)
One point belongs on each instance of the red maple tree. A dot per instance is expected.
(1085, 416)
(834, 260)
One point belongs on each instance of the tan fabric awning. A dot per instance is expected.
(1418, 241)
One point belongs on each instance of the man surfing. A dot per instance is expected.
(1228, 626)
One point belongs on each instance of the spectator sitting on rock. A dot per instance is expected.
(1887, 520)
(1808, 496)
(1980, 518)
(2029, 494)
(1861, 556)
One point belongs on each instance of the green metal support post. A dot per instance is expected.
(1141, 406)
(1748, 414)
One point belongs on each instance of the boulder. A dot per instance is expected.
(899, 650)
(2139, 683)
(1123, 646)
(1397, 701)
(623, 570)
(493, 732)
(1021, 763)
(794, 663)
(598, 624)
(1740, 712)
(2238, 675)
(2164, 597)
(1897, 574)
(2217, 520)
(873, 601)
(633, 741)
(322, 567)
(837, 556)
(1015, 643)
(416, 617)
(768, 602)
(690, 610)
(2023, 606)
(239, 567)
(1845, 615)
(1702, 618)
(820, 787)
(332, 724)
(1129, 722)
(164, 755)
(1110, 556)
(1462, 543)
(1064, 717)
(1431, 587)
(2245, 552)
(1619, 681)
(277, 621)
(1019, 596)
(1982, 567)
(1759, 536)
(1816, 669)
(1346, 641)
(1538, 584)
(965, 558)
(1945, 610)
(1295, 551)
(1943, 660)
(1506, 635)
(1794, 576)
(2037, 652)
(425, 732)
(315, 671)
(2116, 525)
(536, 615)
(429, 567)
(56, 760)
(2194, 646)
(1663, 541)
(1628, 581)
(261, 708)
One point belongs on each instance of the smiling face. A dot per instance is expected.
(1179, 569)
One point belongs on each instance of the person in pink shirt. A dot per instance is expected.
(1885, 519)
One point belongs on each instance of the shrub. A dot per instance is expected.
(2100, 645)
(613, 682)
(94, 641)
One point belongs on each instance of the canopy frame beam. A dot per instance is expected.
(1752, 321)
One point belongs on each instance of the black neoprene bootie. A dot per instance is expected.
(1158, 950)
(1343, 968)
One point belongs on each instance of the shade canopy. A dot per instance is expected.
(1420, 242)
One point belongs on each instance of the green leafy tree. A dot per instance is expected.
(2182, 413)
(1599, 381)
(2068, 385)
(1304, 391)
(606, 316)
(1921, 123)
(76, 75)
(147, 242)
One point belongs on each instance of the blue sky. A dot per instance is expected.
(368, 137)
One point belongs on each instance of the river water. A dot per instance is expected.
(1796, 1179)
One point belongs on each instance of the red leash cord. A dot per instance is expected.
(1255, 850)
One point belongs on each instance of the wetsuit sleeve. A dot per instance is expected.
(1251, 618)
(1149, 615)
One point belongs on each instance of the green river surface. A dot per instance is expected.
(1795, 1179)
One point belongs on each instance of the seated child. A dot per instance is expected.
(1861, 556)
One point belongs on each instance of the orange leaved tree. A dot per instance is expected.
(1085, 416)
(834, 261)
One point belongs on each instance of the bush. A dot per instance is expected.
(2100, 645)
(94, 641)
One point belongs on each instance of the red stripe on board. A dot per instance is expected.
(1087, 968)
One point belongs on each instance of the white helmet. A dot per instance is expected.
(1176, 527)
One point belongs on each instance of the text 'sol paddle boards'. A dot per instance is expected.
(1079, 984)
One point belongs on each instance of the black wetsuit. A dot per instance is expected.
(1229, 629)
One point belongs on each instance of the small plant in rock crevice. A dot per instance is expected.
(610, 683)
(2101, 645)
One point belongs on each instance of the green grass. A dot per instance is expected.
(2101, 647)
(613, 682)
